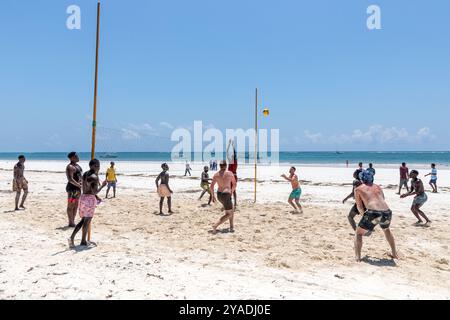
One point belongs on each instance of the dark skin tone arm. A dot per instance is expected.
(69, 173)
(91, 185)
(416, 189)
(351, 195)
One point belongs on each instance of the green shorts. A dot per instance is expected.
(295, 194)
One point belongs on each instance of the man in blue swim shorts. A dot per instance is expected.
(296, 190)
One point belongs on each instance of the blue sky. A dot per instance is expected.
(331, 83)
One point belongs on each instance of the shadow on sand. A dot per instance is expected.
(379, 262)
(163, 215)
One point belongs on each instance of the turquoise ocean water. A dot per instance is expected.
(321, 158)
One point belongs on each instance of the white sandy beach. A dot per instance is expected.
(273, 254)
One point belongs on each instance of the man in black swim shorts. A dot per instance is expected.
(370, 196)
(226, 186)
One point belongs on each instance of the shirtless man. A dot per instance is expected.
(73, 187)
(417, 190)
(163, 189)
(204, 184)
(296, 190)
(20, 183)
(354, 210)
(88, 201)
(232, 166)
(370, 196)
(226, 186)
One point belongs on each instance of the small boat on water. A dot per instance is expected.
(109, 156)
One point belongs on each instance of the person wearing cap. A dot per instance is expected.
(111, 179)
(372, 205)
(74, 175)
(226, 186)
(417, 190)
(163, 189)
(354, 210)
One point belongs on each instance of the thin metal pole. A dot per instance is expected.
(256, 139)
(94, 116)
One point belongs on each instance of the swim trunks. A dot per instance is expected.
(112, 184)
(205, 186)
(163, 191)
(420, 200)
(354, 211)
(87, 205)
(404, 183)
(73, 196)
(295, 194)
(20, 184)
(225, 199)
(372, 218)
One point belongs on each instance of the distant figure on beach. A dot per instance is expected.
(354, 210)
(111, 179)
(88, 201)
(211, 166)
(73, 188)
(372, 205)
(371, 169)
(357, 173)
(417, 190)
(296, 190)
(163, 189)
(204, 184)
(188, 169)
(404, 178)
(215, 165)
(433, 179)
(346, 162)
(20, 183)
(232, 166)
(226, 186)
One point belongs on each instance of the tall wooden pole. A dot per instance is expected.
(256, 139)
(94, 116)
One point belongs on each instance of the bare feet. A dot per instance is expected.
(418, 223)
(22, 207)
(170, 211)
(393, 256)
(16, 209)
(427, 224)
(72, 225)
(71, 244)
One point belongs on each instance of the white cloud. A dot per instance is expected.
(142, 127)
(130, 135)
(376, 134)
(313, 137)
(166, 124)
